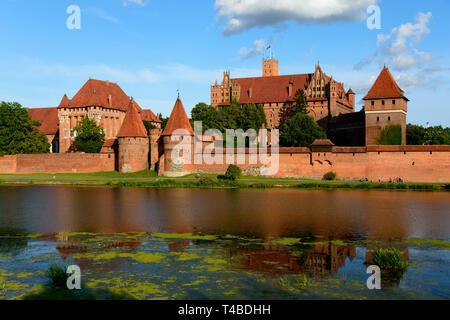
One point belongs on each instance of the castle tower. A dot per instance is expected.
(173, 138)
(384, 105)
(351, 98)
(133, 142)
(270, 67)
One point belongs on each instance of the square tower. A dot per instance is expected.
(270, 67)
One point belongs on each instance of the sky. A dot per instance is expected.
(152, 48)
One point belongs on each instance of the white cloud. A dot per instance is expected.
(241, 15)
(141, 3)
(259, 46)
(397, 49)
(102, 14)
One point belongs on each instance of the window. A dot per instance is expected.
(389, 118)
(393, 101)
(373, 103)
(378, 118)
(382, 102)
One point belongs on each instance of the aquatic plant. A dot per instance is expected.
(389, 259)
(57, 275)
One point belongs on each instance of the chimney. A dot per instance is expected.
(290, 87)
(250, 92)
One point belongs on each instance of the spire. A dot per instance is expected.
(178, 120)
(132, 125)
(64, 102)
(385, 87)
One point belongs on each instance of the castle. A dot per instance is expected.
(352, 150)
(328, 102)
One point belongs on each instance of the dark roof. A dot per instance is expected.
(178, 120)
(48, 117)
(385, 87)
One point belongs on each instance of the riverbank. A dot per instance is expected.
(149, 179)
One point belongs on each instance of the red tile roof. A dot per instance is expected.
(148, 115)
(100, 94)
(322, 142)
(271, 89)
(385, 87)
(178, 120)
(64, 102)
(132, 125)
(48, 117)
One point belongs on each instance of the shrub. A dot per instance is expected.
(389, 259)
(330, 176)
(57, 275)
(233, 173)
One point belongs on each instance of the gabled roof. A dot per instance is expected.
(132, 125)
(48, 117)
(100, 94)
(178, 120)
(385, 87)
(148, 115)
(271, 89)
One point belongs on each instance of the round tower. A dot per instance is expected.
(133, 142)
(177, 141)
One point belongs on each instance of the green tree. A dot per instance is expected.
(415, 135)
(391, 135)
(437, 136)
(90, 136)
(300, 131)
(300, 104)
(148, 126)
(19, 134)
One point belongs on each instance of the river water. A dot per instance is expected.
(222, 244)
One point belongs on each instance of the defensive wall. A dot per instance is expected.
(57, 163)
(412, 163)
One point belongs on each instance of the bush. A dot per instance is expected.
(389, 259)
(57, 276)
(233, 173)
(330, 176)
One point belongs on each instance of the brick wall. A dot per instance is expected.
(57, 163)
(413, 163)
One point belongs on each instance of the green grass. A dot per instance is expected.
(149, 179)
(389, 259)
(57, 276)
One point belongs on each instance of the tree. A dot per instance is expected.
(163, 121)
(19, 134)
(300, 131)
(437, 136)
(390, 135)
(300, 105)
(148, 126)
(90, 137)
(415, 135)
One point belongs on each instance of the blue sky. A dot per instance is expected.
(153, 47)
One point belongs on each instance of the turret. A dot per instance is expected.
(384, 105)
(177, 134)
(133, 142)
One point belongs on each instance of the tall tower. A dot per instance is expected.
(133, 142)
(384, 105)
(177, 134)
(270, 67)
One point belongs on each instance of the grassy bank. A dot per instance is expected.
(149, 179)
